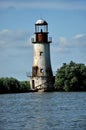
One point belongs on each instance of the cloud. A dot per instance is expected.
(63, 45)
(15, 53)
(37, 4)
(13, 37)
(79, 36)
(63, 50)
(14, 42)
(79, 40)
(62, 41)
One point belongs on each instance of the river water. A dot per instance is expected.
(43, 111)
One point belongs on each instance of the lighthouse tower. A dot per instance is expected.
(42, 77)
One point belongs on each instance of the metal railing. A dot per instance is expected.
(33, 40)
(29, 74)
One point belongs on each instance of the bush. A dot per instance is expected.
(71, 77)
(12, 85)
(25, 86)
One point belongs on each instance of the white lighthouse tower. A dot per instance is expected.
(42, 77)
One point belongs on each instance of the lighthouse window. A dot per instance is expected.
(41, 70)
(34, 70)
(41, 53)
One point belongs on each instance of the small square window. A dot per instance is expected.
(41, 53)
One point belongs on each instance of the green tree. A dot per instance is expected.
(9, 85)
(12, 85)
(71, 77)
(24, 86)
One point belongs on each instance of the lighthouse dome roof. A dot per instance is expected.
(41, 22)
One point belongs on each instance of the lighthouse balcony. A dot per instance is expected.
(34, 40)
(30, 74)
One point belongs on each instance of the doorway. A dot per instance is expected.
(33, 84)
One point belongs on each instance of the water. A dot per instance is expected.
(43, 111)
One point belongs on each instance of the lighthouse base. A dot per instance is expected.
(42, 83)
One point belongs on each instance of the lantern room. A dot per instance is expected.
(41, 26)
(41, 32)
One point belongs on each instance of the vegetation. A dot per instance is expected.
(71, 77)
(24, 86)
(12, 85)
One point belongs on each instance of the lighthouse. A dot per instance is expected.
(42, 76)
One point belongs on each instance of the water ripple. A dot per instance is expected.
(43, 111)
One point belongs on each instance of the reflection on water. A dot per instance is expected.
(43, 111)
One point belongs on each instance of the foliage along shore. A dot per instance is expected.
(12, 85)
(69, 77)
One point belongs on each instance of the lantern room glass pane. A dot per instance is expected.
(41, 28)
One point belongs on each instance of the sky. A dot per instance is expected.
(67, 27)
